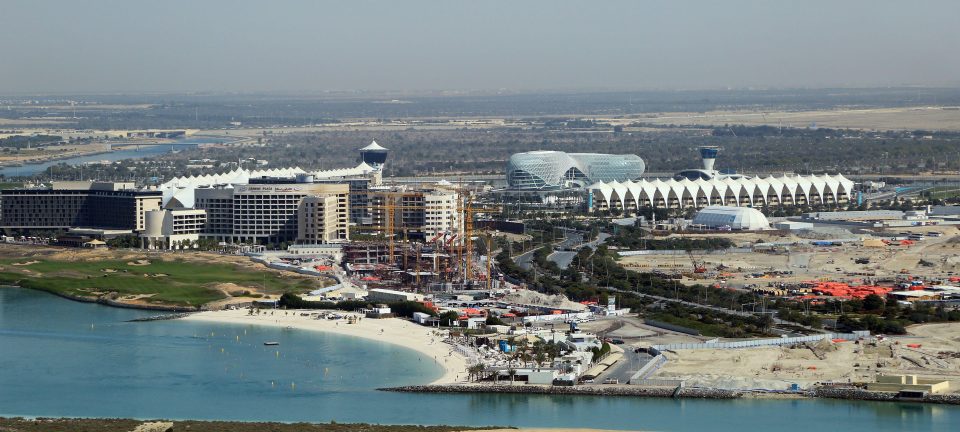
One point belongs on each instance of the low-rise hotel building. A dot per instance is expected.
(64, 205)
(173, 229)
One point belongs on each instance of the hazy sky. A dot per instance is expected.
(230, 45)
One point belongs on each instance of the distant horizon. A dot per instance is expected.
(251, 46)
(468, 92)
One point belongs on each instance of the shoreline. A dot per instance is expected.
(394, 331)
(102, 300)
(42, 159)
(580, 390)
(82, 424)
(823, 393)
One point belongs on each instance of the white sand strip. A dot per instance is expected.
(392, 330)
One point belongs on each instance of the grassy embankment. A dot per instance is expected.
(122, 425)
(174, 282)
(942, 192)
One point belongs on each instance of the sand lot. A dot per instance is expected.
(941, 256)
(779, 367)
(909, 118)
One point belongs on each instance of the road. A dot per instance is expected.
(564, 257)
(574, 241)
(716, 308)
(525, 260)
(625, 368)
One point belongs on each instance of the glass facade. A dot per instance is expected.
(553, 170)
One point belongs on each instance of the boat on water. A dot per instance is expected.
(271, 343)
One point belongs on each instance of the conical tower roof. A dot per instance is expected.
(373, 146)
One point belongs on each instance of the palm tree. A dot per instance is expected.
(513, 373)
(475, 371)
(540, 357)
(525, 357)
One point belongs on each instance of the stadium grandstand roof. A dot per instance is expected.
(749, 192)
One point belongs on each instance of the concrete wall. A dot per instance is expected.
(940, 387)
(898, 383)
(541, 377)
(648, 369)
(559, 317)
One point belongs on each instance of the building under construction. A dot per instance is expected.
(419, 237)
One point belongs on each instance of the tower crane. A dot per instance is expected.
(467, 209)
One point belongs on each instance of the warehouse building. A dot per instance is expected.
(792, 225)
(392, 296)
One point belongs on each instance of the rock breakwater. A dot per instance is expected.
(629, 391)
(851, 393)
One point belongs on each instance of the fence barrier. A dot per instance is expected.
(764, 342)
(656, 382)
(684, 252)
(648, 369)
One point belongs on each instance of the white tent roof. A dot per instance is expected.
(361, 169)
(752, 191)
(373, 146)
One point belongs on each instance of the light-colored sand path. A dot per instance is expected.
(392, 330)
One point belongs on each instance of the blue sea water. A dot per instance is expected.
(63, 358)
(141, 152)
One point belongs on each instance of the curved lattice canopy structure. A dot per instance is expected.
(746, 192)
(552, 170)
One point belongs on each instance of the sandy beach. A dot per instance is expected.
(392, 330)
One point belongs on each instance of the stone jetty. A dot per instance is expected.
(609, 390)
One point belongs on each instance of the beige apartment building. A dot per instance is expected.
(269, 213)
(322, 220)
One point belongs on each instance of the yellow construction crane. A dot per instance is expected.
(467, 210)
(468, 232)
(387, 225)
(489, 259)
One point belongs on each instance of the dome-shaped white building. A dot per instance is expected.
(738, 218)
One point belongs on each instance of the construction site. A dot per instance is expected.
(423, 240)
(929, 350)
(843, 266)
